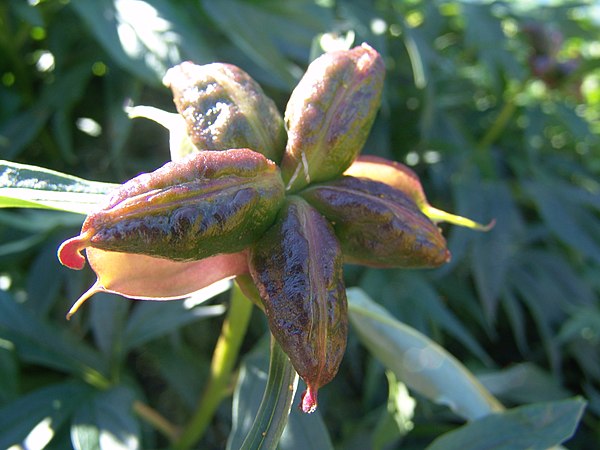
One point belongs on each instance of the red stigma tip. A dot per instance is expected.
(69, 252)
(308, 402)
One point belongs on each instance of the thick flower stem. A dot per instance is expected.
(224, 358)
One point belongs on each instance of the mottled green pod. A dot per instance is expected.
(297, 267)
(225, 108)
(378, 225)
(200, 206)
(330, 113)
(404, 179)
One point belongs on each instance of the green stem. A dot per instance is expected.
(224, 357)
(272, 415)
(156, 420)
(499, 124)
(493, 133)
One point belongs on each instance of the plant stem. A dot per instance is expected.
(494, 132)
(224, 357)
(156, 420)
(272, 415)
(499, 124)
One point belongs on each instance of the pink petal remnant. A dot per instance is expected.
(69, 252)
(149, 278)
(308, 403)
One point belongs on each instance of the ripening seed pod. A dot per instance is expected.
(329, 115)
(297, 268)
(378, 225)
(225, 108)
(206, 204)
(403, 178)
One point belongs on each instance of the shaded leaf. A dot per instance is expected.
(268, 31)
(150, 320)
(39, 342)
(134, 33)
(571, 223)
(534, 427)
(23, 128)
(106, 421)
(36, 417)
(524, 383)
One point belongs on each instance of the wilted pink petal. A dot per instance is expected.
(149, 278)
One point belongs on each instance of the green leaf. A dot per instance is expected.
(24, 186)
(264, 31)
(418, 361)
(36, 417)
(305, 431)
(573, 224)
(39, 342)
(524, 383)
(9, 373)
(272, 415)
(532, 427)
(107, 421)
(133, 34)
(23, 128)
(150, 320)
(108, 314)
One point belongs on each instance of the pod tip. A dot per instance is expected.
(69, 252)
(308, 402)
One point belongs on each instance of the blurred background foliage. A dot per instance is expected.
(496, 105)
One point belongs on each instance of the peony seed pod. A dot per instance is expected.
(225, 108)
(330, 113)
(378, 225)
(406, 180)
(206, 204)
(297, 267)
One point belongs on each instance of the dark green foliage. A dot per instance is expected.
(492, 133)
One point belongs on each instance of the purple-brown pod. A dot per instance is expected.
(206, 204)
(330, 113)
(297, 267)
(378, 225)
(225, 108)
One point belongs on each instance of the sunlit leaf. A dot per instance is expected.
(24, 186)
(418, 361)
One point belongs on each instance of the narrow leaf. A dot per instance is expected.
(272, 415)
(107, 421)
(418, 361)
(24, 186)
(534, 427)
(37, 416)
